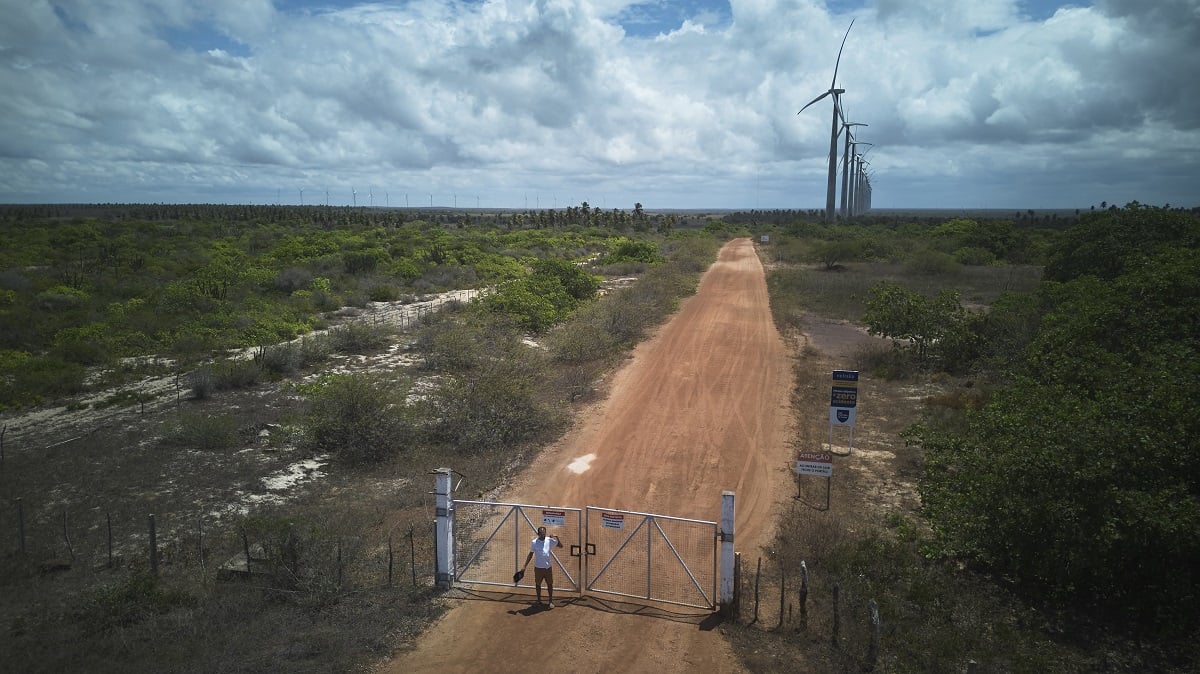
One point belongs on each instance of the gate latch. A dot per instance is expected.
(724, 537)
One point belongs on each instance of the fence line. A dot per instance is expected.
(277, 554)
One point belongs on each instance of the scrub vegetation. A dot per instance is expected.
(1051, 470)
(288, 479)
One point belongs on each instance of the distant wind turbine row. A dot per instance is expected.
(856, 184)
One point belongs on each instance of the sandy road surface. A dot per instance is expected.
(701, 407)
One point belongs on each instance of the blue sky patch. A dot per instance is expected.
(203, 37)
(648, 19)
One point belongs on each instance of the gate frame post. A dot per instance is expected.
(444, 529)
(727, 552)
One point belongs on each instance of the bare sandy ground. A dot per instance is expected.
(701, 407)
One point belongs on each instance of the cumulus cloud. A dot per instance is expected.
(668, 102)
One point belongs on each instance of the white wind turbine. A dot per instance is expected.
(833, 131)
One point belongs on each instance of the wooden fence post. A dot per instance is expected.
(21, 523)
(873, 651)
(757, 573)
(339, 564)
(153, 547)
(412, 553)
(782, 592)
(67, 535)
(837, 589)
(804, 594)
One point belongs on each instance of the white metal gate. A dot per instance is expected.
(655, 557)
(491, 541)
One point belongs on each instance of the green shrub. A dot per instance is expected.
(359, 337)
(360, 418)
(931, 263)
(203, 431)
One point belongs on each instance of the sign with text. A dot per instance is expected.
(844, 398)
(554, 518)
(612, 521)
(818, 464)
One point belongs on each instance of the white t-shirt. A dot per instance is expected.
(541, 552)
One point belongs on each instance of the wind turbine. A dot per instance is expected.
(855, 168)
(354, 194)
(301, 196)
(371, 196)
(833, 131)
(846, 163)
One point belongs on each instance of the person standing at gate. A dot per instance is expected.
(543, 563)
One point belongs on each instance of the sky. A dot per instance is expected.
(1009, 104)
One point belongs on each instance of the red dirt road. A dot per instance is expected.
(701, 407)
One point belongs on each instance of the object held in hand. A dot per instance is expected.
(518, 576)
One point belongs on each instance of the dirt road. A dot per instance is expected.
(702, 407)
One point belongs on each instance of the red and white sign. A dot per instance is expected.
(818, 464)
(612, 521)
(554, 518)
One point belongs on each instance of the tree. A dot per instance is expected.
(908, 317)
(1081, 476)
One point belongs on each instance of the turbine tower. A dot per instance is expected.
(301, 195)
(354, 195)
(831, 189)
(846, 164)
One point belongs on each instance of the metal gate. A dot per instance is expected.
(655, 557)
(491, 541)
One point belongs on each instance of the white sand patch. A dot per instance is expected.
(581, 463)
(297, 472)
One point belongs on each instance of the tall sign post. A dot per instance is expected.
(843, 403)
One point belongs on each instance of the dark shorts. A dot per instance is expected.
(543, 574)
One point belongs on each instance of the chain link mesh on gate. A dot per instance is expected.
(666, 559)
(491, 541)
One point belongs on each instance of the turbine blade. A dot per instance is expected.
(815, 100)
(837, 63)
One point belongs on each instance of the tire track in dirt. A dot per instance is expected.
(701, 407)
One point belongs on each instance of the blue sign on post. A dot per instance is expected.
(844, 398)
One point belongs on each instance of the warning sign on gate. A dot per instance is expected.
(554, 518)
(819, 464)
(612, 521)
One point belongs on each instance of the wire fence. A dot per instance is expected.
(282, 554)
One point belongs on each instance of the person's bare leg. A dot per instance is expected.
(550, 588)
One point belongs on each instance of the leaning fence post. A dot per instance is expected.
(873, 651)
(837, 589)
(153, 547)
(67, 535)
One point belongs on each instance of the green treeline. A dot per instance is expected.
(1078, 472)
